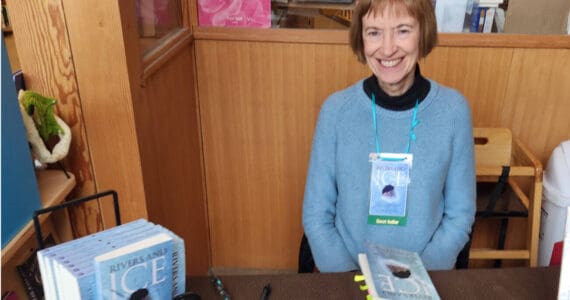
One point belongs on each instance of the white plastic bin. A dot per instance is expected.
(555, 200)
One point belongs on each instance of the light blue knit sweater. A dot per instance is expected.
(441, 194)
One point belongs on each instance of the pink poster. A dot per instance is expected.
(230, 13)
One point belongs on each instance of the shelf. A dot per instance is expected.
(338, 6)
(53, 186)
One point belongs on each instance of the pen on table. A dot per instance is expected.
(265, 292)
(219, 286)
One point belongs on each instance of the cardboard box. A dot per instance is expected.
(537, 17)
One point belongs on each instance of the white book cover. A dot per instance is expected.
(392, 273)
(141, 269)
(489, 18)
(46, 256)
(564, 284)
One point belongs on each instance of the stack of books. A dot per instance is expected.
(124, 262)
(481, 17)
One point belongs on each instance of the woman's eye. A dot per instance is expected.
(373, 33)
(403, 31)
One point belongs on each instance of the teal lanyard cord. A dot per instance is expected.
(411, 134)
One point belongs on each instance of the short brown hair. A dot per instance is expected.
(421, 10)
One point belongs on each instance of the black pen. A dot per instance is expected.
(266, 291)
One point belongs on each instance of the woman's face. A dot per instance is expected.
(391, 47)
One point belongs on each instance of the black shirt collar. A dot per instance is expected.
(418, 91)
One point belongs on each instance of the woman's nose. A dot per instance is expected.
(388, 45)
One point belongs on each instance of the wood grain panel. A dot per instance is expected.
(106, 97)
(171, 155)
(536, 105)
(258, 104)
(480, 74)
(45, 55)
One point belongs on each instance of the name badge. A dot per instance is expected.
(389, 182)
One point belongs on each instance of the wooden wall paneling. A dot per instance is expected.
(103, 50)
(192, 17)
(171, 154)
(480, 74)
(237, 129)
(536, 103)
(258, 104)
(40, 30)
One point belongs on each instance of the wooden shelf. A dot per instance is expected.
(339, 6)
(53, 186)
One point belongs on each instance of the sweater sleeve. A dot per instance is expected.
(459, 196)
(319, 205)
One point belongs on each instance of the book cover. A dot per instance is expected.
(392, 273)
(141, 269)
(47, 257)
(477, 18)
(489, 18)
(235, 13)
(77, 268)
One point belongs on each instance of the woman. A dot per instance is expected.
(424, 132)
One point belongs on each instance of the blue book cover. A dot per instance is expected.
(48, 256)
(142, 270)
(78, 267)
(392, 273)
(477, 18)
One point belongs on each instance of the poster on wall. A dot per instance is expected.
(235, 13)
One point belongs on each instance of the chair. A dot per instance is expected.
(503, 164)
(306, 262)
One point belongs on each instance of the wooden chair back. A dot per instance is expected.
(493, 147)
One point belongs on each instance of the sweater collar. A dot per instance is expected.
(418, 91)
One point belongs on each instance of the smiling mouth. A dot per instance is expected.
(390, 63)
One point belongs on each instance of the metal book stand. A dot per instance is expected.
(71, 203)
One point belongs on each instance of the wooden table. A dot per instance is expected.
(507, 283)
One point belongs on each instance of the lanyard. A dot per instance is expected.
(411, 134)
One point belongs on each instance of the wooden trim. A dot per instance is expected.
(272, 35)
(523, 156)
(527, 41)
(498, 254)
(338, 6)
(186, 14)
(160, 55)
(519, 193)
(496, 170)
(193, 13)
(341, 37)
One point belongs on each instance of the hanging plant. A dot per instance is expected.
(42, 125)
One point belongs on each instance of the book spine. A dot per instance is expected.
(33, 294)
(482, 14)
(178, 263)
(474, 18)
(489, 18)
